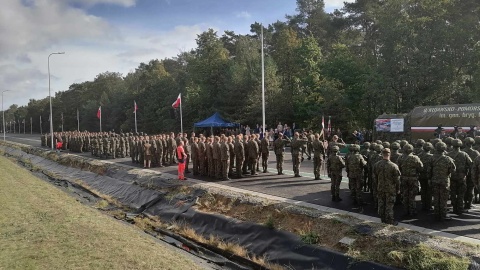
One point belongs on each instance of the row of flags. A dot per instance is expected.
(329, 127)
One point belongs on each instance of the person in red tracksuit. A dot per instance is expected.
(181, 156)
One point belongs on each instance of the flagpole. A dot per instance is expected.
(181, 119)
(263, 87)
(135, 111)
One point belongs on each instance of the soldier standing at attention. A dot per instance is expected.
(147, 150)
(279, 149)
(216, 158)
(376, 157)
(473, 154)
(239, 155)
(318, 155)
(410, 167)
(335, 164)
(458, 182)
(442, 167)
(209, 152)
(395, 154)
(387, 177)
(231, 149)
(265, 152)
(246, 164)
(296, 148)
(426, 175)
(355, 166)
(365, 152)
(224, 158)
(202, 156)
(188, 149)
(253, 151)
(194, 149)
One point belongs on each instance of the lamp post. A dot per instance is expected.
(50, 96)
(3, 115)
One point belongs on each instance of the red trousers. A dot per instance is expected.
(181, 171)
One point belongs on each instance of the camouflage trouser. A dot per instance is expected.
(357, 182)
(218, 168)
(239, 164)
(426, 193)
(469, 192)
(458, 187)
(386, 201)
(373, 190)
(211, 167)
(202, 165)
(195, 165)
(336, 181)
(440, 197)
(317, 165)
(279, 163)
(253, 165)
(409, 191)
(225, 165)
(187, 161)
(264, 161)
(245, 165)
(296, 164)
(231, 165)
(158, 157)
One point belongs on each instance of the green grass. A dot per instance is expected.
(41, 227)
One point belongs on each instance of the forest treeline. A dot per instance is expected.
(367, 58)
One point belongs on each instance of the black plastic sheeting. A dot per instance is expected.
(278, 247)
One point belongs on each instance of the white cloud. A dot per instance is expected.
(243, 15)
(125, 3)
(330, 5)
(32, 30)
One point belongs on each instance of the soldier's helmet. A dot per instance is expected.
(419, 143)
(428, 146)
(435, 141)
(386, 145)
(441, 146)
(350, 147)
(469, 141)
(403, 143)
(477, 140)
(372, 146)
(356, 147)
(395, 146)
(378, 148)
(457, 143)
(335, 148)
(366, 145)
(407, 148)
(448, 140)
(378, 142)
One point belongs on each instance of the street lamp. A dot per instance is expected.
(50, 96)
(3, 115)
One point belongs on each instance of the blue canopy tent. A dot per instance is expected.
(214, 121)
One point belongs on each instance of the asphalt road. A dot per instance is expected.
(307, 189)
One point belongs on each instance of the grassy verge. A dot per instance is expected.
(41, 227)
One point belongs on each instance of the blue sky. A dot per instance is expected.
(111, 35)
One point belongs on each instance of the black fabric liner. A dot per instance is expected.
(279, 247)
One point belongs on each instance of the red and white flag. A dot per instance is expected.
(323, 122)
(135, 107)
(99, 112)
(177, 102)
(329, 128)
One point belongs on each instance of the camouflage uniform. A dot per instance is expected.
(442, 167)
(209, 153)
(375, 157)
(217, 158)
(387, 177)
(253, 151)
(202, 157)
(473, 154)
(296, 147)
(365, 152)
(318, 155)
(195, 161)
(410, 167)
(225, 159)
(458, 182)
(265, 152)
(231, 149)
(279, 149)
(355, 167)
(239, 156)
(335, 164)
(425, 176)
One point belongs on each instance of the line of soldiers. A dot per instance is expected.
(395, 172)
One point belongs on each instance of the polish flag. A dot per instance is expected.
(99, 112)
(135, 107)
(177, 102)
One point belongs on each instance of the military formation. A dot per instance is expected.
(394, 173)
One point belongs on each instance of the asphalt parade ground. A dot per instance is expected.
(307, 189)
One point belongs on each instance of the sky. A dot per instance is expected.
(110, 35)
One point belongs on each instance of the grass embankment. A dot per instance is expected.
(42, 227)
